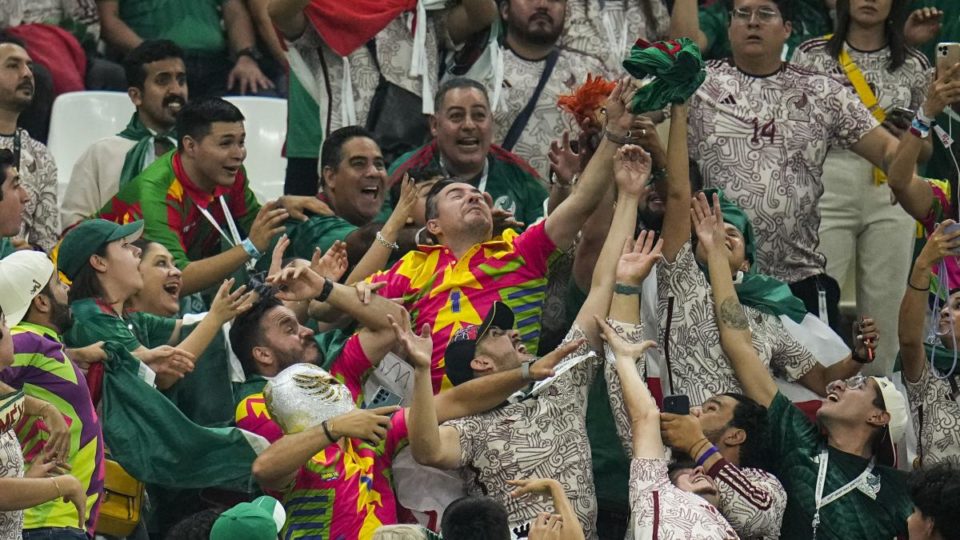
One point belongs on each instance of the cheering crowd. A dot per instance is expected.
(545, 269)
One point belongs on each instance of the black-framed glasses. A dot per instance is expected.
(764, 14)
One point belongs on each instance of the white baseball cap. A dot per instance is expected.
(895, 405)
(23, 274)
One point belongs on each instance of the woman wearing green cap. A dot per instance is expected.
(100, 260)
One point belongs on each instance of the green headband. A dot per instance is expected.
(677, 67)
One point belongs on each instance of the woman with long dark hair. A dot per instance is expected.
(860, 229)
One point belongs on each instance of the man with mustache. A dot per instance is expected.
(157, 79)
(38, 173)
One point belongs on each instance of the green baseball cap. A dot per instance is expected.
(86, 238)
(261, 519)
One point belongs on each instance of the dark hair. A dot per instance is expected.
(784, 6)
(194, 527)
(152, 50)
(751, 417)
(453, 84)
(935, 491)
(431, 202)
(247, 333)
(196, 117)
(86, 284)
(10, 38)
(899, 10)
(475, 518)
(6, 162)
(419, 174)
(330, 152)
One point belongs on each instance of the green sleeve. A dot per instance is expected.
(714, 21)
(6, 247)
(153, 330)
(251, 204)
(320, 231)
(101, 327)
(789, 428)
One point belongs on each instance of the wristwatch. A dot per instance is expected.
(525, 371)
(249, 51)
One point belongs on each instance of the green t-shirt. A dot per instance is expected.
(95, 321)
(304, 132)
(316, 231)
(6, 247)
(811, 19)
(192, 24)
(796, 444)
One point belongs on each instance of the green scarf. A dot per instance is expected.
(676, 66)
(134, 162)
(755, 289)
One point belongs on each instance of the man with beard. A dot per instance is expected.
(42, 368)
(38, 173)
(527, 120)
(13, 197)
(157, 82)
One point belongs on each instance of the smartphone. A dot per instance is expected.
(948, 54)
(383, 398)
(676, 404)
(902, 112)
(950, 229)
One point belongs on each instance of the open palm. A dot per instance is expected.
(638, 258)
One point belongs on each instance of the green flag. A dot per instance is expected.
(677, 69)
(158, 445)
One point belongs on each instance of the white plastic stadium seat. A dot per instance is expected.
(266, 126)
(80, 118)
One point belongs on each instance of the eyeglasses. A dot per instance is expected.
(853, 383)
(764, 14)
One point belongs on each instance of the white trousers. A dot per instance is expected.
(862, 232)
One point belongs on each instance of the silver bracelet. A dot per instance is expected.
(383, 241)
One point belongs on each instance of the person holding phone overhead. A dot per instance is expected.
(860, 230)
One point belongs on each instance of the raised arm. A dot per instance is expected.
(736, 339)
(685, 22)
(469, 17)
(114, 31)
(370, 310)
(913, 308)
(562, 225)
(631, 171)
(225, 307)
(546, 487)
(641, 407)
(911, 191)
(676, 219)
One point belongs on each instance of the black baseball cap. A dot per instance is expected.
(462, 348)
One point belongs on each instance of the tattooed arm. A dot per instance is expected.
(735, 336)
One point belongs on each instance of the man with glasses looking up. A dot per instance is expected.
(760, 129)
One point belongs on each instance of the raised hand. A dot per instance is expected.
(544, 366)
(708, 223)
(333, 264)
(638, 258)
(645, 131)
(944, 91)
(407, 202)
(922, 25)
(616, 109)
(503, 220)
(681, 431)
(276, 258)
(267, 225)
(418, 350)
(296, 284)
(865, 338)
(227, 305)
(564, 162)
(940, 243)
(365, 424)
(299, 205)
(631, 169)
(168, 361)
(622, 348)
(533, 486)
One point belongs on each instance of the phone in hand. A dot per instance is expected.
(383, 398)
(950, 229)
(676, 404)
(948, 54)
(902, 112)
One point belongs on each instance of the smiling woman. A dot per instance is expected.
(160, 294)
